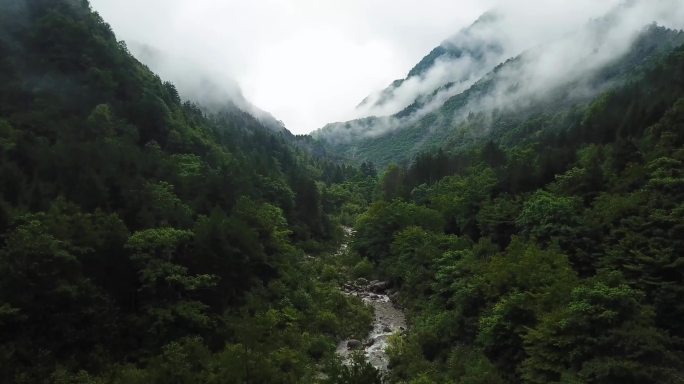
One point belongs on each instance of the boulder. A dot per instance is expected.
(361, 282)
(387, 329)
(379, 287)
(354, 344)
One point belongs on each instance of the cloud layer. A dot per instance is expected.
(307, 62)
(507, 30)
(553, 55)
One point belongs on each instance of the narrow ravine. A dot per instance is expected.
(389, 320)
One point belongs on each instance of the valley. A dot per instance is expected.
(511, 211)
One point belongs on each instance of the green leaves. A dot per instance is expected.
(604, 334)
(162, 242)
(546, 216)
(357, 372)
(376, 228)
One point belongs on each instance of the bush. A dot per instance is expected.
(363, 268)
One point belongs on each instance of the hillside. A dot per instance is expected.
(143, 238)
(509, 94)
(549, 255)
(456, 61)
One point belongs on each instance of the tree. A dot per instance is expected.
(50, 310)
(604, 335)
(358, 371)
(376, 228)
(546, 217)
(392, 183)
(166, 286)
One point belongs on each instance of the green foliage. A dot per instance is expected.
(146, 240)
(363, 268)
(546, 217)
(607, 317)
(376, 228)
(357, 372)
(567, 264)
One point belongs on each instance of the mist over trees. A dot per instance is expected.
(482, 71)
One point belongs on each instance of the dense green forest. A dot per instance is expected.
(144, 239)
(552, 253)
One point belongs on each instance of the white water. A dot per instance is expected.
(388, 320)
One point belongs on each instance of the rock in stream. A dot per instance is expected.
(388, 320)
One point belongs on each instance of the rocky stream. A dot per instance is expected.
(389, 320)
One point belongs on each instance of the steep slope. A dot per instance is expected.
(551, 253)
(460, 59)
(142, 239)
(213, 92)
(528, 84)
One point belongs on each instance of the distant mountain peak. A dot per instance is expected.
(461, 58)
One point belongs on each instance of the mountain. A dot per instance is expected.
(145, 238)
(211, 91)
(533, 228)
(550, 250)
(533, 224)
(520, 84)
(465, 56)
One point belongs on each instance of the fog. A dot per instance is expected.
(568, 60)
(310, 62)
(560, 51)
(508, 29)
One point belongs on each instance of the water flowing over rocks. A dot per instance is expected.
(389, 320)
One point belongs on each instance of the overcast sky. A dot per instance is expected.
(309, 62)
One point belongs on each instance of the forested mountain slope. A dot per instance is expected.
(143, 240)
(552, 259)
(461, 58)
(513, 92)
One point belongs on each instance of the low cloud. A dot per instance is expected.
(308, 62)
(573, 58)
(505, 31)
(558, 45)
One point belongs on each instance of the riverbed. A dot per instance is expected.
(389, 320)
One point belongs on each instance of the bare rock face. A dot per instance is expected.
(354, 344)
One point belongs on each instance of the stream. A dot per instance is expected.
(388, 320)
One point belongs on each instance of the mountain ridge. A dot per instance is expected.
(363, 141)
